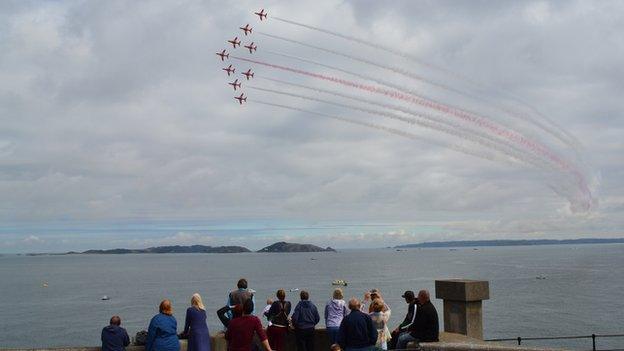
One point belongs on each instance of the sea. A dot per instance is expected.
(535, 291)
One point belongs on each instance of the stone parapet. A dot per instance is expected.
(462, 305)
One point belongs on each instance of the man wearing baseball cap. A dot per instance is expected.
(411, 300)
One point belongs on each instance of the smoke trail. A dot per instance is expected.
(435, 126)
(402, 133)
(433, 118)
(421, 62)
(586, 197)
(415, 76)
(416, 99)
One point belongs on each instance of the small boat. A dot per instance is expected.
(540, 277)
(340, 282)
(294, 289)
(105, 298)
(44, 285)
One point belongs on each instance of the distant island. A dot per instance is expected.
(473, 243)
(170, 249)
(277, 247)
(291, 247)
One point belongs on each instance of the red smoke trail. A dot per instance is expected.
(448, 110)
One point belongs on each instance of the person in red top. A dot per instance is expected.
(240, 330)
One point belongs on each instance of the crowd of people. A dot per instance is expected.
(359, 325)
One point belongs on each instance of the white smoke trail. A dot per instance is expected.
(399, 132)
(521, 157)
(463, 114)
(561, 131)
(509, 148)
(515, 114)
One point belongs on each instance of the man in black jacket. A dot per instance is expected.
(425, 327)
(356, 329)
(410, 299)
(114, 337)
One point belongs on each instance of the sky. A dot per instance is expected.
(117, 127)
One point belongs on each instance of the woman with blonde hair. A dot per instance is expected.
(335, 311)
(195, 326)
(380, 321)
(162, 331)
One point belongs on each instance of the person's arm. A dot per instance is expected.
(126, 338)
(295, 316)
(409, 318)
(151, 335)
(325, 314)
(317, 318)
(187, 321)
(265, 345)
(253, 302)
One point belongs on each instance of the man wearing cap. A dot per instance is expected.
(425, 327)
(410, 299)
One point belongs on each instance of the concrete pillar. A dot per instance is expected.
(462, 305)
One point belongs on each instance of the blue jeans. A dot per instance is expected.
(404, 339)
(332, 334)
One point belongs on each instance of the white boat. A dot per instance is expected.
(105, 298)
(340, 282)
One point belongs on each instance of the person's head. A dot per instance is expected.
(196, 301)
(354, 304)
(377, 305)
(335, 347)
(242, 283)
(237, 310)
(269, 301)
(115, 320)
(248, 307)
(280, 294)
(304, 296)
(367, 295)
(408, 295)
(338, 294)
(423, 297)
(375, 294)
(165, 307)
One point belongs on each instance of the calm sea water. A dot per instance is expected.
(583, 292)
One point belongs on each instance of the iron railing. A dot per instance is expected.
(593, 338)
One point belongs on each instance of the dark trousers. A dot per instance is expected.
(393, 341)
(276, 336)
(305, 339)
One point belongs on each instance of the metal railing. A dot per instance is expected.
(593, 337)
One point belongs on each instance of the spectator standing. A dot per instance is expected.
(162, 330)
(380, 321)
(278, 321)
(357, 332)
(114, 337)
(304, 319)
(241, 330)
(195, 325)
(335, 311)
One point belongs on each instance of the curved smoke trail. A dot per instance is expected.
(399, 132)
(520, 157)
(582, 201)
(412, 75)
(404, 55)
(506, 147)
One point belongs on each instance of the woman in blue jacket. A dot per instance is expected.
(162, 331)
(195, 326)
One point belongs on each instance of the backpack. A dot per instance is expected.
(140, 338)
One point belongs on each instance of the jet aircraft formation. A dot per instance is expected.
(252, 47)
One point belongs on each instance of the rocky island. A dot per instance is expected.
(292, 247)
(172, 249)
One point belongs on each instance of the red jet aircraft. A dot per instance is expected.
(247, 29)
(235, 84)
(229, 69)
(248, 74)
(251, 47)
(241, 98)
(223, 55)
(235, 42)
(262, 14)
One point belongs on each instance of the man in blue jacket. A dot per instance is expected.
(356, 330)
(304, 319)
(114, 337)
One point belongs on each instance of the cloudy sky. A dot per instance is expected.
(117, 127)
